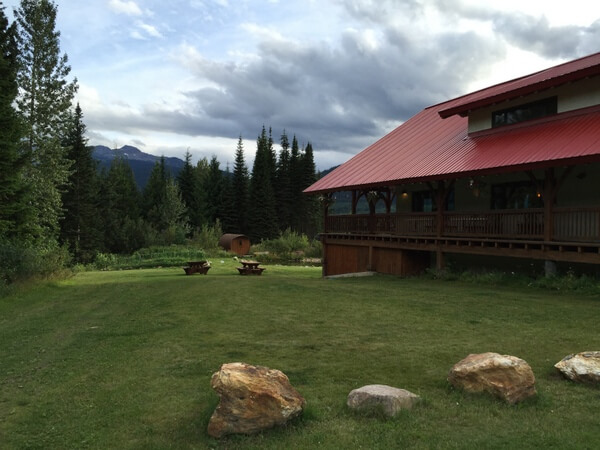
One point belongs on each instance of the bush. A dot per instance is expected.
(19, 262)
(291, 245)
(207, 237)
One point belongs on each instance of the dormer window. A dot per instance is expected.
(528, 111)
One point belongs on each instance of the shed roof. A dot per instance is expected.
(428, 147)
(228, 238)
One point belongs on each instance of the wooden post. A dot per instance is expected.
(440, 198)
(549, 200)
(354, 202)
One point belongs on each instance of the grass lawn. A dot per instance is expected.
(124, 359)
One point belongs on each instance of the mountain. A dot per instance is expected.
(141, 163)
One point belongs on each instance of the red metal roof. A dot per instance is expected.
(434, 144)
(427, 147)
(573, 70)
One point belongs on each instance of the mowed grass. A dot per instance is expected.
(124, 359)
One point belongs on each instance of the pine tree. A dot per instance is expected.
(79, 227)
(310, 214)
(262, 217)
(124, 230)
(297, 199)
(240, 190)
(154, 196)
(191, 193)
(213, 187)
(15, 214)
(282, 185)
(226, 212)
(44, 104)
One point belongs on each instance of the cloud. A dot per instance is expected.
(125, 7)
(150, 30)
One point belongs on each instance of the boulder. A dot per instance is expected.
(252, 399)
(507, 377)
(379, 397)
(582, 367)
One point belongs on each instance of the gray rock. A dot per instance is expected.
(582, 367)
(389, 400)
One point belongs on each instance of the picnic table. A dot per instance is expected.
(250, 268)
(196, 267)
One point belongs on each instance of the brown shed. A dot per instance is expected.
(235, 243)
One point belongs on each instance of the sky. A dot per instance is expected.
(172, 76)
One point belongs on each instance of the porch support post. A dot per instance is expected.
(354, 201)
(440, 263)
(549, 200)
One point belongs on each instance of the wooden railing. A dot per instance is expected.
(577, 224)
(569, 224)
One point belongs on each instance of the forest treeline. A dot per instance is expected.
(55, 204)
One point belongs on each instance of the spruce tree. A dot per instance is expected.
(44, 103)
(282, 185)
(213, 187)
(310, 214)
(80, 229)
(15, 213)
(297, 199)
(154, 196)
(124, 230)
(188, 182)
(262, 216)
(240, 190)
(226, 211)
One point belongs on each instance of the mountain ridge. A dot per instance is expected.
(141, 163)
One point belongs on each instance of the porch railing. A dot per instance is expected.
(569, 224)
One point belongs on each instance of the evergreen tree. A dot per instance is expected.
(282, 185)
(191, 193)
(80, 229)
(310, 214)
(200, 216)
(227, 207)
(44, 103)
(15, 214)
(240, 190)
(262, 216)
(154, 196)
(124, 230)
(213, 187)
(297, 199)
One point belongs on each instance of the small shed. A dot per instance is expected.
(235, 243)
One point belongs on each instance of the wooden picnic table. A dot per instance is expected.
(250, 268)
(197, 267)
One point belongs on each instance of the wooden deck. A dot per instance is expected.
(574, 233)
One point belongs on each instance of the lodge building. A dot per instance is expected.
(512, 170)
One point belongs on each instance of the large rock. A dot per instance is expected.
(253, 399)
(507, 377)
(583, 367)
(389, 400)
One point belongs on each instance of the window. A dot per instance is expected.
(516, 195)
(521, 113)
(424, 201)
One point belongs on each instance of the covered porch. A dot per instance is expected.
(459, 217)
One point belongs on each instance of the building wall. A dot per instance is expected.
(580, 94)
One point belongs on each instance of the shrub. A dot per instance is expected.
(291, 245)
(19, 262)
(207, 237)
